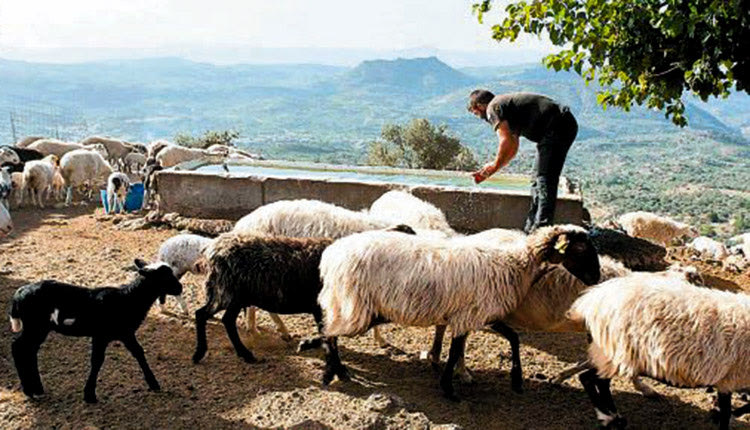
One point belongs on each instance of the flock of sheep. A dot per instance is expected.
(400, 262)
(42, 168)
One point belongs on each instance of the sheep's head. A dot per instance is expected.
(161, 276)
(570, 246)
(8, 155)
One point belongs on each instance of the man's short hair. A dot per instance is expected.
(479, 97)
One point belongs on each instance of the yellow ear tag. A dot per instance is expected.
(562, 244)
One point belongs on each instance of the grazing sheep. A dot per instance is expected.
(669, 330)
(25, 154)
(709, 248)
(83, 167)
(37, 178)
(8, 155)
(134, 161)
(54, 147)
(182, 253)
(118, 185)
(173, 155)
(139, 147)
(376, 277)
(400, 207)
(104, 314)
(26, 141)
(658, 229)
(6, 223)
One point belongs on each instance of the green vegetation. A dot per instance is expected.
(210, 137)
(643, 52)
(420, 145)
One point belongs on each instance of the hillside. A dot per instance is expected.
(326, 113)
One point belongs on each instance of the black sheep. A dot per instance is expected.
(104, 314)
(25, 154)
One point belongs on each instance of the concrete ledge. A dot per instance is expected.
(208, 195)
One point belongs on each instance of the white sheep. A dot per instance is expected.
(6, 223)
(156, 146)
(26, 141)
(118, 185)
(7, 155)
(173, 155)
(655, 228)
(375, 277)
(709, 248)
(134, 161)
(400, 207)
(37, 178)
(183, 253)
(117, 150)
(667, 329)
(54, 146)
(83, 167)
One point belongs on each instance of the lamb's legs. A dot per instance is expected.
(131, 343)
(725, 410)
(334, 367)
(24, 350)
(69, 196)
(571, 371)
(282, 328)
(250, 322)
(600, 395)
(230, 324)
(98, 346)
(516, 373)
(458, 345)
(201, 318)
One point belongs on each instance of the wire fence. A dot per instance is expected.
(24, 116)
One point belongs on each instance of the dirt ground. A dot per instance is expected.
(389, 390)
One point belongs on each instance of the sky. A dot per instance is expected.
(220, 30)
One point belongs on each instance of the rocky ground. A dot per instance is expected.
(389, 390)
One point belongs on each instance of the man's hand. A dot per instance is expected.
(485, 172)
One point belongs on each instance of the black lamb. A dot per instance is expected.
(105, 314)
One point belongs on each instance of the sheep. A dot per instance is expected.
(277, 274)
(8, 155)
(104, 314)
(98, 148)
(139, 147)
(13, 167)
(118, 185)
(669, 330)
(6, 187)
(58, 183)
(134, 161)
(16, 180)
(54, 146)
(81, 167)
(173, 155)
(658, 229)
(634, 253)
(156, 146)
(402, 207)
(6, 223)
(182, 253)
(26, 141)
(376, 277)
(37, 178)
(708, 247)
(25, 154)
(117, 150)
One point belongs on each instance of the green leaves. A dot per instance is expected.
(646, 52)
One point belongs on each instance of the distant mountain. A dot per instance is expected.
(415, 75)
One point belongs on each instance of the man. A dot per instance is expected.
(541, 120)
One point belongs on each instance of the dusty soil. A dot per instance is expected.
(389, 390)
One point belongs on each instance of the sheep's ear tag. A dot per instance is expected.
(562, 244)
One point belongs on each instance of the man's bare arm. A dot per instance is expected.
(506, 149)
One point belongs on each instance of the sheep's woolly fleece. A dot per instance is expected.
(400, 207)
(668, 329)
(422, 281)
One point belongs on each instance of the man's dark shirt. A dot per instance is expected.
(528, 114)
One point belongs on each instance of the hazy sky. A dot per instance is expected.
(201, 24)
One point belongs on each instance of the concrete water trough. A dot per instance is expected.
(210, 188)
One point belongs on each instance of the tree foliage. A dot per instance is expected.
(420, 145)
(210, 137)
(643, 52)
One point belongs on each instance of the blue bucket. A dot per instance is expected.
(133, 201)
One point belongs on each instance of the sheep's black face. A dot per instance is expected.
(161, 276)
(577, 254)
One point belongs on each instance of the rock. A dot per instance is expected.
(382, 402)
